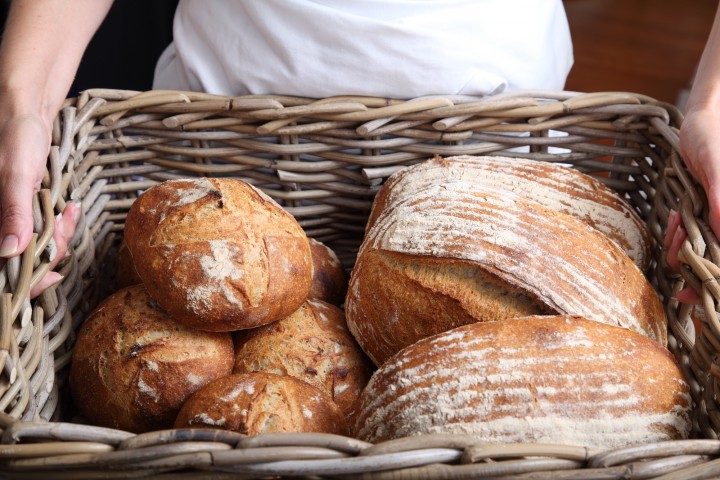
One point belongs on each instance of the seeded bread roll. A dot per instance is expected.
(554, 186)
(255, 403)
(329, 282)
(456, 253)
(133, 366)
(218, 254)
(563, 380)
(312, 344)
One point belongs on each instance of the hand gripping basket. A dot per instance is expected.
(323, 159)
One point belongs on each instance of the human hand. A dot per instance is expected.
(24, 147)
(675, 235)
(65, 224)
(700, 149)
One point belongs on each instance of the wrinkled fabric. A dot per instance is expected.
(387, 48)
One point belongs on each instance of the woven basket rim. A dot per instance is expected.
(340, 148)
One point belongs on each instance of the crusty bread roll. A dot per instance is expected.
(133, 366)
(540, 379)
(329, 280)
(312, 344)
(552, 185)
(126, 274)
(457, 253)
(218, 254)
(255, 403)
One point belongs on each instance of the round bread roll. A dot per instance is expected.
(133, 366)
(312, 344)
(126, 273)
(458, 253)
(554, 186)
(255, 403)
(218, 254)
(329, 280)
(563, 380)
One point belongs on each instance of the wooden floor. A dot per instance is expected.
(643, 46)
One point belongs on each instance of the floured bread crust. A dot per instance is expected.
(541, 379)
(456, 253)
(218, 254)
(312, 344)
(554, 186)
(256, 403)
(133, 366)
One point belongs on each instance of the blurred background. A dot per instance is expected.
(642, 46)
(125, 48)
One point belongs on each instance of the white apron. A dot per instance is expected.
(387, 48)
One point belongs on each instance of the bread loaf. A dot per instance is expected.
(255, 403)
(133, 366)
(312, 344)
(329, 280)
(456, 253)
(540, 379)
(218, 254)
(554, 186)
(126, 274)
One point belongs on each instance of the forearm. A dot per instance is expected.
(41, 49)
(705, 92)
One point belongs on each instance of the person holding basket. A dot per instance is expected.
(309, 48)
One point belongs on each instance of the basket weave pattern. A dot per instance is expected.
(323, 160)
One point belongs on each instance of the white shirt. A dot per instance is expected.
(387, 48)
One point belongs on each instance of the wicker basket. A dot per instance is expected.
(323, 159)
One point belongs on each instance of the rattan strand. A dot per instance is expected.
(323, 160)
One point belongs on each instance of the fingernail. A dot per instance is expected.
(74, 212)
(680, 234)
(9, 246)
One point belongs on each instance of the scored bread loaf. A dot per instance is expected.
(312, 344)
(458, 253)
(557, 187)
(540, 379)
(133, 366)
(218, 254)
(256, 403)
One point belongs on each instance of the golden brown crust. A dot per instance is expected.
(126, 273)
(329, 278)
(397, 299)
(548, 379)
(554, 186)
(218, 254)
(133, 366)
(312, 344)
(256, 403)
(482, 254)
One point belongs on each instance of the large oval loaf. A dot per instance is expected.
(552, 185)
(539, 379)
(456, 253)
(218, 254)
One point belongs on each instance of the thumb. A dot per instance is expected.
(16, 222)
